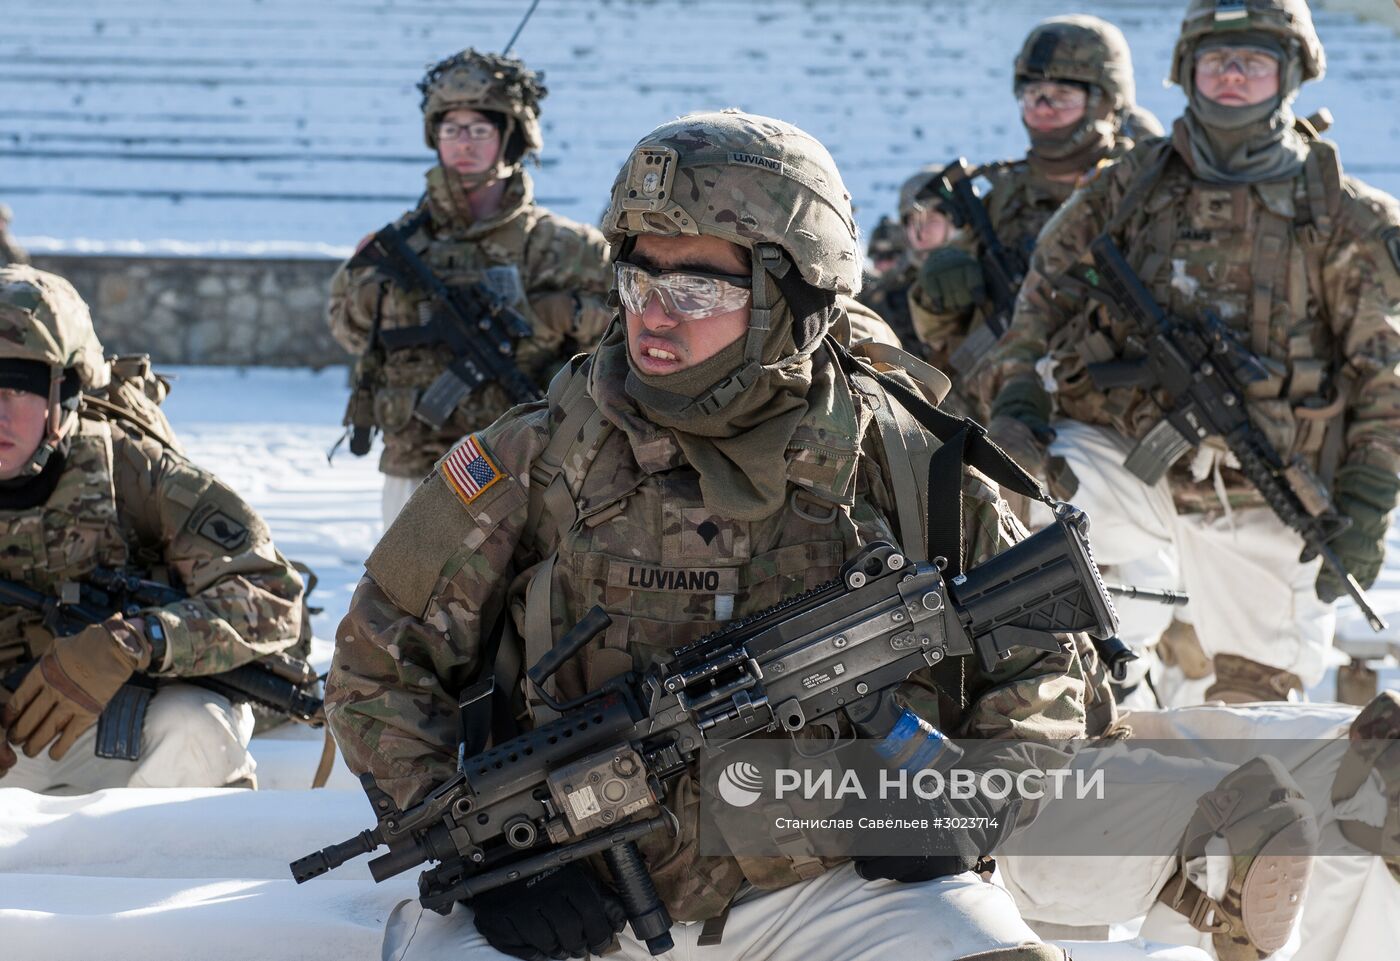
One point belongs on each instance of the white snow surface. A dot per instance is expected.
(180, 874)
(292, 127)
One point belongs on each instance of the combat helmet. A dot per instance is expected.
(886, 240)
(912, 193)
(488, 82)
(762, 184)
(1289, 20)
(1079, 49)
(46, 338)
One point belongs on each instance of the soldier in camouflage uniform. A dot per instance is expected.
(80, 488)
(885, 248)
(1074, 86)
(711, 438)
(10, 251)
(925, 227)
(477, 222)
(1245, 212)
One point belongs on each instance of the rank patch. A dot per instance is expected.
(469, 469)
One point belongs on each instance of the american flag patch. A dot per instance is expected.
(469, 469)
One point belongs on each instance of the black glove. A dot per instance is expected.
(1367, 495)
(951, 280)
(566, 913)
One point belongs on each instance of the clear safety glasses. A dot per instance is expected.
(1254, 64)
(479, 130)
(1058, 96)
(685, 294)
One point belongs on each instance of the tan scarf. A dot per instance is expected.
(740, 450)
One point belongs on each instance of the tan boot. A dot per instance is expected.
(1180, 647)
(1356, 683)
(1238, 680)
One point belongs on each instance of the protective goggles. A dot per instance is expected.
(1058, 96)
(685, 294)
(478, 130)
(1254, 63)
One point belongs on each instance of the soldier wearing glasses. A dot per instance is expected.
(477, 222)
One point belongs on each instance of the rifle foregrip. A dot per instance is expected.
(648, 916)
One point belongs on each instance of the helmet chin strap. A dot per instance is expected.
(53, 430)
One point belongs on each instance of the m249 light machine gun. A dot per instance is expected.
(591, 781)
(1202, 369)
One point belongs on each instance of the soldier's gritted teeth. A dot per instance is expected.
(660, 343)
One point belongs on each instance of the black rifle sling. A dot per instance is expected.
(962, 441)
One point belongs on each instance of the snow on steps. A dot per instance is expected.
(279, 126)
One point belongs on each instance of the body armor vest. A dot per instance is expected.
(61, 540)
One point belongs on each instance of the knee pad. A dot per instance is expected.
(1375, 747)
(1272, 836)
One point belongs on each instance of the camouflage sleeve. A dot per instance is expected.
(245, 599)
(1032, 695)
(942, 331)
(357, 295)
(412, 637)
(1042, 308)
(1361, 280)
(569, 275)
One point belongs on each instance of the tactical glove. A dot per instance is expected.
(566, 913)
(951, 280)
(65, 692)
(1366, 494)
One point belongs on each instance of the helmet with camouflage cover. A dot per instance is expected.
(1288, 20)
(1079, 49)
(47, 344)
(886, 240)
(909, 200)
(488, 82)
(760, 183)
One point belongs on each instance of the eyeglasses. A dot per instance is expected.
(1057, 96)
(685, 294)
(477, 130)
(1254, 64)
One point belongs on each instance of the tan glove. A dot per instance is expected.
(66, 691)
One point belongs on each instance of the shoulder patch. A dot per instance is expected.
(469, 469)
(213, 524)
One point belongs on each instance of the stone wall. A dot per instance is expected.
(184, 310)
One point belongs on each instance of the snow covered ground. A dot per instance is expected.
(203, 874)
(277, 127)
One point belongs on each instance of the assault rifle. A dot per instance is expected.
(1002, 268)
(1200, 369)
(591, 781)
(276, 682)
(473, 321)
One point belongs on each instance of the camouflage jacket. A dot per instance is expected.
(888, 296)
(462, 555)
(124, 500)
(1019, 205)
(1306, 271)
(556, 272)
